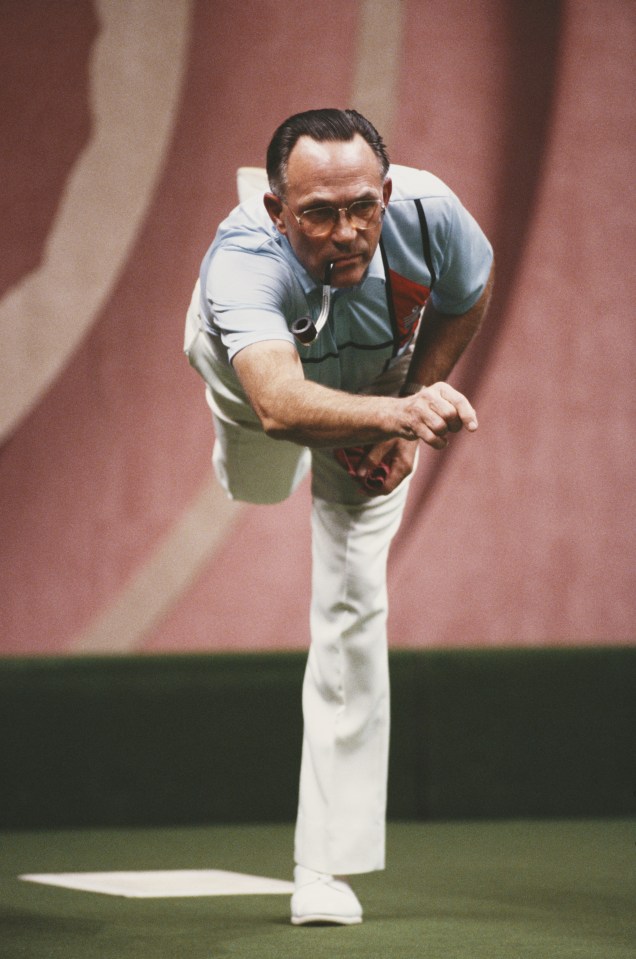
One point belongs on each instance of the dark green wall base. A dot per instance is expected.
(198, 739)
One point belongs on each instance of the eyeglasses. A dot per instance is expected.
(321, 220)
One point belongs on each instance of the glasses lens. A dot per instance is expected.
(319, 220)
(364, 213)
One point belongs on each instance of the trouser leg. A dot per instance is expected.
(342, 805)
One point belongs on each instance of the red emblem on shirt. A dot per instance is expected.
(408, 299)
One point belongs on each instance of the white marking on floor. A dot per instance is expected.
(164, 884)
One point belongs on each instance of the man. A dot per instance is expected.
(396, 276)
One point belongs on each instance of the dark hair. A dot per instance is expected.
(320, 125)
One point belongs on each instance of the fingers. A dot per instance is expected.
(374, 470)
(441, 409)
(464, 414)
(375, 455)
(385, 466)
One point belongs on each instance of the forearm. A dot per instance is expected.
(442, 339)
(313, 415)
(295, 409)
(292, 408)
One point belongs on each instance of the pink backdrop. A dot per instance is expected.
(520, 535)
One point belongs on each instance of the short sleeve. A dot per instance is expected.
(464, 258)
(247, 298)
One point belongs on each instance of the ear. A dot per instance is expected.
(274, 206)
(387, 189)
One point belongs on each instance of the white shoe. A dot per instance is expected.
(319, 897)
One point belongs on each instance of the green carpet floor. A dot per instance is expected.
(467, 890)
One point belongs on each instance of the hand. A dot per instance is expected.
(396, 456)
(437, 410)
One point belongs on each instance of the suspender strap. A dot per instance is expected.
(426, 241)
(389, 297)
(405, 297)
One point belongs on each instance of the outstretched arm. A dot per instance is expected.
(293, 408)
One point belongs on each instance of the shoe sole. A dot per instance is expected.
(325, 920)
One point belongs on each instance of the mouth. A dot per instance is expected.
(342, 262)
(347, 270)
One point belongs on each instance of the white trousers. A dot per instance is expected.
(340, 827)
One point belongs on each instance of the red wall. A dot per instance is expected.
(519, 535)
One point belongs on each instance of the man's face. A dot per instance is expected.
(331, 174)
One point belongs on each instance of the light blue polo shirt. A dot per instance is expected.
(253, 287)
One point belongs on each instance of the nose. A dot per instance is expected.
(343, 231)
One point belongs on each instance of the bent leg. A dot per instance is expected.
(253, 468)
